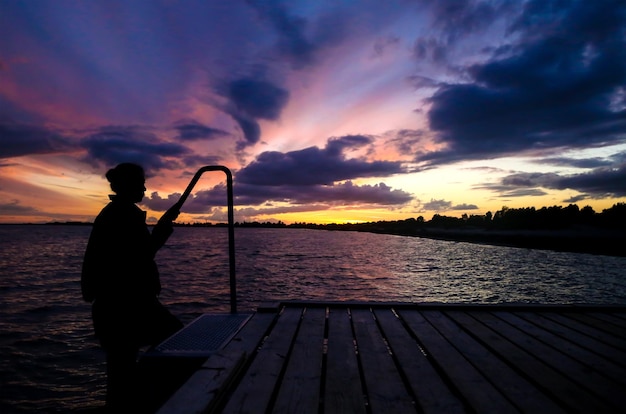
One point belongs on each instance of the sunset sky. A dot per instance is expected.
(325, 111)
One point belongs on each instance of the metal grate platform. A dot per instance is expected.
(203, 336)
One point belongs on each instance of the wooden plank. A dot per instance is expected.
(253, 394)
(552, 383)
(546, 373)
(616, 318)
(562, 326)
(586, 349)
(608, 327)
(300, 389)
(556, 352)
(199, 392)
(386, 392)
(591, 331)
(476, 390)
(496, 334)
(433, 395)
(597, 379)
(343, 392)
(524, 395)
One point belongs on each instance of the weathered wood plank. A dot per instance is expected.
(300, 388)
(205, 386)
(433, 395)
(590, 338)
(385, 390)
(557, 352)
(254, 392)
(343, 392)
(552, 383)
(477, 391)
(524, 395)
(608, 327)
(536, 359)
(583, 348)
(616, 318)
(575, 324)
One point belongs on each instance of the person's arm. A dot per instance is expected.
(164, 228)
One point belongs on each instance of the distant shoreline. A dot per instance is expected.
(603, 242)
(590, 240)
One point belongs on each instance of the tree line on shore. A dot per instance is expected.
(528, 218)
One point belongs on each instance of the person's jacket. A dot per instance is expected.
(119, 259)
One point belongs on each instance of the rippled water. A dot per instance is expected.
(51, 363)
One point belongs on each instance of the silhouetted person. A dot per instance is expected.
(120, 277)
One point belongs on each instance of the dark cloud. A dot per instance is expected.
(292, 41)
(530, 179)
(250, 99)
(428, 48)
(576, 162)
(465, 206)
(190, 130)
(336, 146)
(311, 176)
(202, 201)
(523, 192)
(12, 113)
(454, 21)
(560, 86)
(314, 166)
(598, 183)
(407, 141)
(460, 17)
(249, 127)
(14, 208)
(575, 199)
(336, 195)
(601, 182)
(198, 160)
(444, 205)
(350, 194)
(254, 97)
(113, 145)
(382, 44)
(258, 98)
(157, 203)
(18, 140)
(437, 205)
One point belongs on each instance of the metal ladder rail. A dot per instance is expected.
(231, 223)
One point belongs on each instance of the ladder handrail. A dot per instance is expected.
(231, 223)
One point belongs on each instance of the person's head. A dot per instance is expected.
(127, 181)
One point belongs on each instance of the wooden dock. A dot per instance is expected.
(311, 357)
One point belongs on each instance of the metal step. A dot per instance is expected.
(203, 336)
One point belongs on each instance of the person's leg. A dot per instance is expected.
(159, 324)
(121, 378)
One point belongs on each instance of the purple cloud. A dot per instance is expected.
(316, 195)
(597, 183)
(18, 140)
(112, 145)
(315, 166)
(190, 130)
(559, 86)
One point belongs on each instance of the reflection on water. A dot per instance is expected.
(51, 363)
(325, 265)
